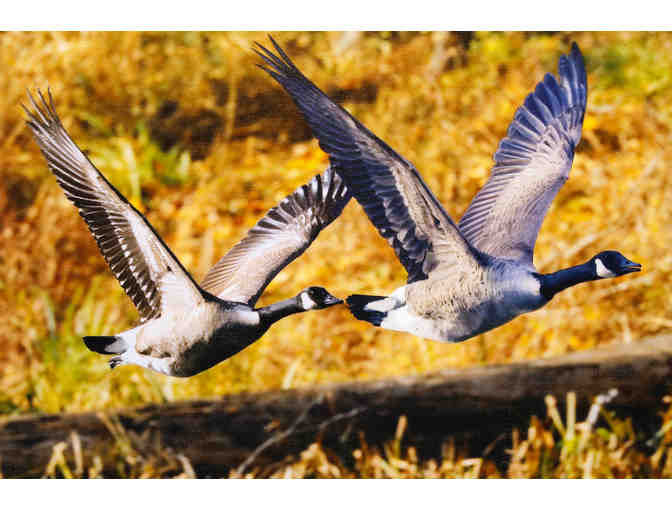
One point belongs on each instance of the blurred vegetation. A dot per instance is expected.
(203, 143)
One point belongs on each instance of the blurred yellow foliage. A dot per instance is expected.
(442, 100)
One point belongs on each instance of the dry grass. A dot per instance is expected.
(569, 449)
(442, 104)
(599, 446)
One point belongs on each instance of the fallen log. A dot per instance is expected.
(245, 429)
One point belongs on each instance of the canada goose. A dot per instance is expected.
(467, 279)
(186, 328)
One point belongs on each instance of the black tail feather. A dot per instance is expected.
(105, 344)
(356, 304)
(115, 362)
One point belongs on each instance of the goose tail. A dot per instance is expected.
(364, 308)
(106, 344)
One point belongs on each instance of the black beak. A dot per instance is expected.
(332, 300)
(631, 267)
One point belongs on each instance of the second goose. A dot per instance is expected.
(469, 278)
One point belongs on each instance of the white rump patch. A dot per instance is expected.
(391, 302)
(382, 305)
(602, 270)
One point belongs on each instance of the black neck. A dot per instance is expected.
(553, 283)
(276, 311)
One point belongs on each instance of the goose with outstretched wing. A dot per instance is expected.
(468, 278)
(186, 328)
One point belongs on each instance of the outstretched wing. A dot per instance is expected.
(531, 165)
(389, 188)
(134, 251)
(277, 239)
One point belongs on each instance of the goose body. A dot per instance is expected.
(455, 306)
(469, 278)
(186, 328)
(189, 340)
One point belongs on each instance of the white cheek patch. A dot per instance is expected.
(602, 270)
(306, 302)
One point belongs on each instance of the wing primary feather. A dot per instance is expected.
(387, 186)
(531, 164)
(136, 255)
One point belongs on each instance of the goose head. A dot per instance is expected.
(316, 298)
(609, 264)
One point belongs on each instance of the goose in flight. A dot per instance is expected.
(186, 328)
(468, 278)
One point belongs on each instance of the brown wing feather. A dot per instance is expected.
(389, 188)
(531, 165)
(135, 253)
(277, 239)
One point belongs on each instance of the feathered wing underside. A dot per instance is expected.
(277, 239)
(135, 253)
(531, 165)
(389, 188)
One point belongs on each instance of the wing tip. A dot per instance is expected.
(572, 72)
(43, 111)
(279, 65)
(575, 52)
(571, 82)
(324, 196)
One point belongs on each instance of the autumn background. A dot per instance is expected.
(204, 143)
